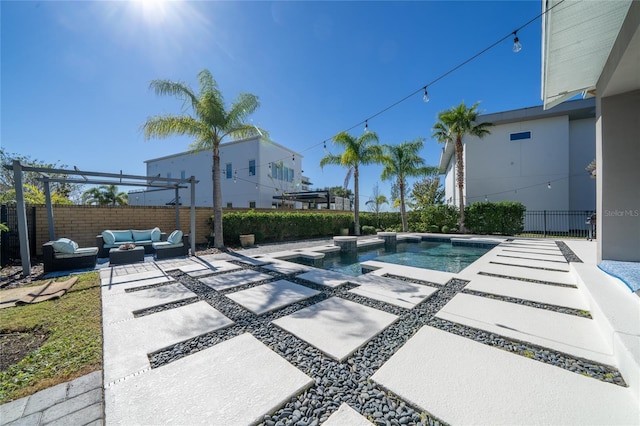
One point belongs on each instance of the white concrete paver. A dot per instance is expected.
(465, 382)
(325, 278)
(548, 257)
(541, 293)
(122, 286)
(336, 326)
(521, 272)
(214, 267)
(396, 292)
(284, 267)
(571, 334)
(124, 305)
(271, 296)
(346, 416)
(233, 383)
(531, 250)
(429, 275)
(530, 263)
(126, 344)
(234, 279)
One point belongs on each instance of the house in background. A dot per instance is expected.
(253, 172)
(533, 156)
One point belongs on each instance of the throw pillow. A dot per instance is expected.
(108, 237)
(175, 237)
(156, 234)
(65, 245)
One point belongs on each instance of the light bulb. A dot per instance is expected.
(425, 97)
(516, 43)
(366, 126)
(549, 185)
(486, 199)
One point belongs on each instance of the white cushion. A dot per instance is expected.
(175, 237)
(108, 237)
(156, 234)
(65, 245)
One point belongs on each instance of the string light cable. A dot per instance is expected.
(423, 88)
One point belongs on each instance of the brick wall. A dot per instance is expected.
(82, 223)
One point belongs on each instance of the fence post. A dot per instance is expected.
(4, 238)
(545, 224)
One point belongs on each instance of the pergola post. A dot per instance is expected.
(47, 196)
(192, 181)
(23, 231)
(177, 204)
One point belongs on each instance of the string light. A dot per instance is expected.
(235, 176)
(549, 185)
(425, 97)
(516, 42)
(366, 126)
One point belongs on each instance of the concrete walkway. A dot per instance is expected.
(519, 337)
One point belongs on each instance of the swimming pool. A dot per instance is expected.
(440, 256)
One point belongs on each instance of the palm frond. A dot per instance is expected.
(168, 125)
(178, 89)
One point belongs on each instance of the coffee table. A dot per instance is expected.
(119, 257)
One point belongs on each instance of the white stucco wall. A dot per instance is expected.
(239, 192)
(582, 150)
(519, 170)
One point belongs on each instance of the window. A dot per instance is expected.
(229, 171)
(229, 205)
(280, 170)
(252, 167)
(252, 204)
(519, 136)
(290, 175)
(274, 171)
(169, 175)
(183, 174)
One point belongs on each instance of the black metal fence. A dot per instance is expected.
(559, 223)
(10, 240)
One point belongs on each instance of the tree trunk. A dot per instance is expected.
(403, 208)
(356, 202)
(460, 174)
(218, 239)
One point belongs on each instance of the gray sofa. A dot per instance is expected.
(64, 255)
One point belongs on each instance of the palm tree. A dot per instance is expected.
(209, 125)
(105, 195)
(375, 203)
(358, 151)
(400, 162)
(454, 124)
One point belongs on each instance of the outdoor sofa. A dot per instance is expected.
(176, 245)
(64, 254)
(109, 239)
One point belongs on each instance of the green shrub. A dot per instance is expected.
(445, 229)
(434, 228)
(381, 220)
(434, 216)
(504, 217)
(368, 230)
(278, 226)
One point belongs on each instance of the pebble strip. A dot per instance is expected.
(568, 254)
(488, 274)
(540, 268)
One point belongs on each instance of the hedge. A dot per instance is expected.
(434, 218)
(272, 227)
(504, 217)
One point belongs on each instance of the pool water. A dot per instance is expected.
(440, 256)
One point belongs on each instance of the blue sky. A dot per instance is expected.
(75, 74)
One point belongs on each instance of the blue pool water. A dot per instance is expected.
(441, 256)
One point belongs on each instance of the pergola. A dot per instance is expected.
(97, 178)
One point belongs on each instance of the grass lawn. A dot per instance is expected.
(63, 338)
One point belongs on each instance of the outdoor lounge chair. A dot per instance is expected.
(176, 245)
(64, 255)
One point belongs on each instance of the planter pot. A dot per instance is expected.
(247, 240)
(344, 231)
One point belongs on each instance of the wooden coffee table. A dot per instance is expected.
(120, 257)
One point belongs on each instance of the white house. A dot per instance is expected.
(253, 172)
(534, 156)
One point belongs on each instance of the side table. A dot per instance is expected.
(119, 257)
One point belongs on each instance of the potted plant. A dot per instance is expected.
(247, 240)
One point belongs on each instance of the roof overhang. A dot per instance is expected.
(577, 37)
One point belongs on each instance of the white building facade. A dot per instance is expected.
(532, 156)
(253, 172)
